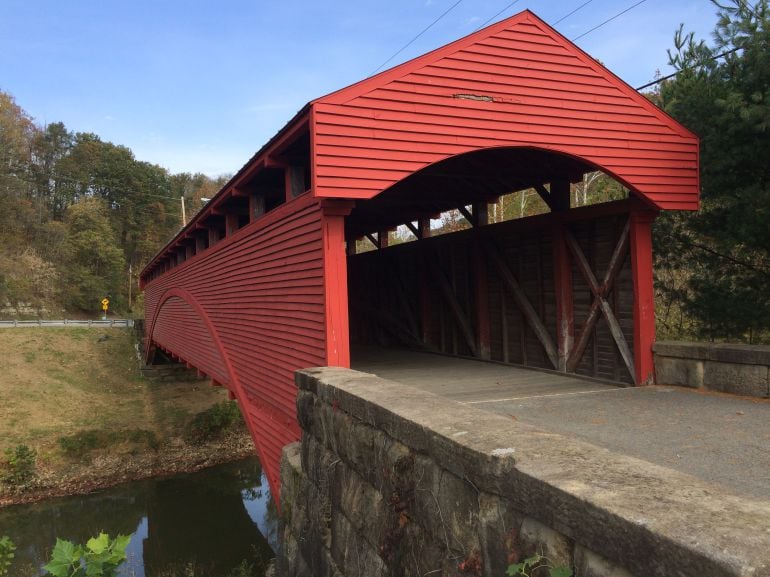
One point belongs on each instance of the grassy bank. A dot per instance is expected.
(75, 397)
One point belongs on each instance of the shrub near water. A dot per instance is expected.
(7, 549)
(213, 422)
(80, 444)
(19, 466)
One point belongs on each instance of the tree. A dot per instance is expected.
(93, 264)
(16, 134)
(721, 255)
(50, 147)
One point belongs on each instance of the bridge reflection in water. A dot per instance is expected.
(213, 519)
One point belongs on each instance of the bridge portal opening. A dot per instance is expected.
(498, 255)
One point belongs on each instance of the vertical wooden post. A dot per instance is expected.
(560, 196)
(213, 235)
(190, 250)
(200, 243)
(382, 238)
(483, 330)
(256, 206)
(480, 213)
(562, 280)
(640, 233)
(336, 281)
(294, 181)
(562, 273)
(423, 228)
(231, 224)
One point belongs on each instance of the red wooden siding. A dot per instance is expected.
(248, 313)
(544, 92)
(177, 317)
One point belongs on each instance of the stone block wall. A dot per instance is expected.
(392, 481)
(729, 368)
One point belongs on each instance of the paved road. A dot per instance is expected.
(115, 323)
(718, 438)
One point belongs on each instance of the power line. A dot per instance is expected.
(576, 38)
(405, 46)
(496, 15)
(748, 8)
(571, 13)
(716, 57)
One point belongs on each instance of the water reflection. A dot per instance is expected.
(213, 520)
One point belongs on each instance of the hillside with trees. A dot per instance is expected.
(79, 217)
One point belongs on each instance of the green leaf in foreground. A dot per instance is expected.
(101, 557)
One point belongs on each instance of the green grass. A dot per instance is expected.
(59, 383)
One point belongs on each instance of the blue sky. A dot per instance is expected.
(199, 86)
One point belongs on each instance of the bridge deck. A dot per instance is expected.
(717, 438)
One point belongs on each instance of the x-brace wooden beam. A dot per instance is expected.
(526, 308)
(454, 305)
(415, 230)
(389, 323)
(470, 217)
(600, 304)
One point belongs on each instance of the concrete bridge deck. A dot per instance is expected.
(717, 438)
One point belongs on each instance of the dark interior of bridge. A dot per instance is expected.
(484, 286)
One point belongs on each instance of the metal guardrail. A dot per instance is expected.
(109, 323)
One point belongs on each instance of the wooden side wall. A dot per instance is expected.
(385, 293)
(248, 313)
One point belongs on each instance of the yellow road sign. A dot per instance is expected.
(105, 304)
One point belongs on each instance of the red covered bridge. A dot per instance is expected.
(265, 279)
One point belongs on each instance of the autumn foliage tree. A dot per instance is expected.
(79, 216)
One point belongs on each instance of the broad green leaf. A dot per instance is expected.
(98, 544)
(121, 543)
(95, 569)
(64, 557)
(65, 550)
(58, 568)
(532, 561)
(515, 569)
(560, 572)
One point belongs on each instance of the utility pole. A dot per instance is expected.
(130, 283)
(184, 216)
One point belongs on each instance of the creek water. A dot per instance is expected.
(202, 524)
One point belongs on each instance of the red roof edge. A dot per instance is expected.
(301, 116)
(362, 87)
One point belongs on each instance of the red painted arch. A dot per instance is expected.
(234, 382)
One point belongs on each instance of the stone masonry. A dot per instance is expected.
(392, 481)
(729, 368)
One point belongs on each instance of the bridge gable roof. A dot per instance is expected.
(515, 83)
